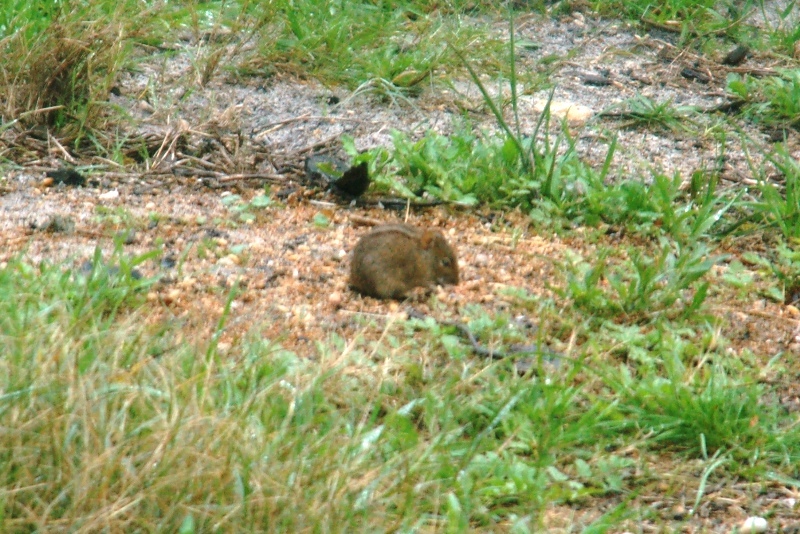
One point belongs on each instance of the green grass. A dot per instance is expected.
(113, 423)
(698, 23)
(119, 415)
(391, 49)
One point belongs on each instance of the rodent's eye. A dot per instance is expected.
(446, 262)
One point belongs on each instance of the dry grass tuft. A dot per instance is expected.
(59, 76)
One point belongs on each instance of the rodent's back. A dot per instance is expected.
(399, 228)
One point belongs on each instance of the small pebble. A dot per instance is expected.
(145, 106)
(335, 299)
(678, 511)
(57, 224)
(127, 237)
(259, 283)
(171, 296)
(792, 311)
(109, 195)
(230, 260)
(753, 524)
(187, 283)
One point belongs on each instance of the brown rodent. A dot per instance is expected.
(393, 258)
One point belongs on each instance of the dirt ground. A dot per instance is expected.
(205, 144)
(292, 269)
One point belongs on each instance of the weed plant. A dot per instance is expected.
(772, 101)
(640, 289)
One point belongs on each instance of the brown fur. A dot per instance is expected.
(394, 258)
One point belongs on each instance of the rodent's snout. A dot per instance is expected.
(447, 279)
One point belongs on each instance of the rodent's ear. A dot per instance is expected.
(427, 239)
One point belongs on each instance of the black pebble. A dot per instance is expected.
(168, 262)
(67, 177)
(736, 56)
(355, 180)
